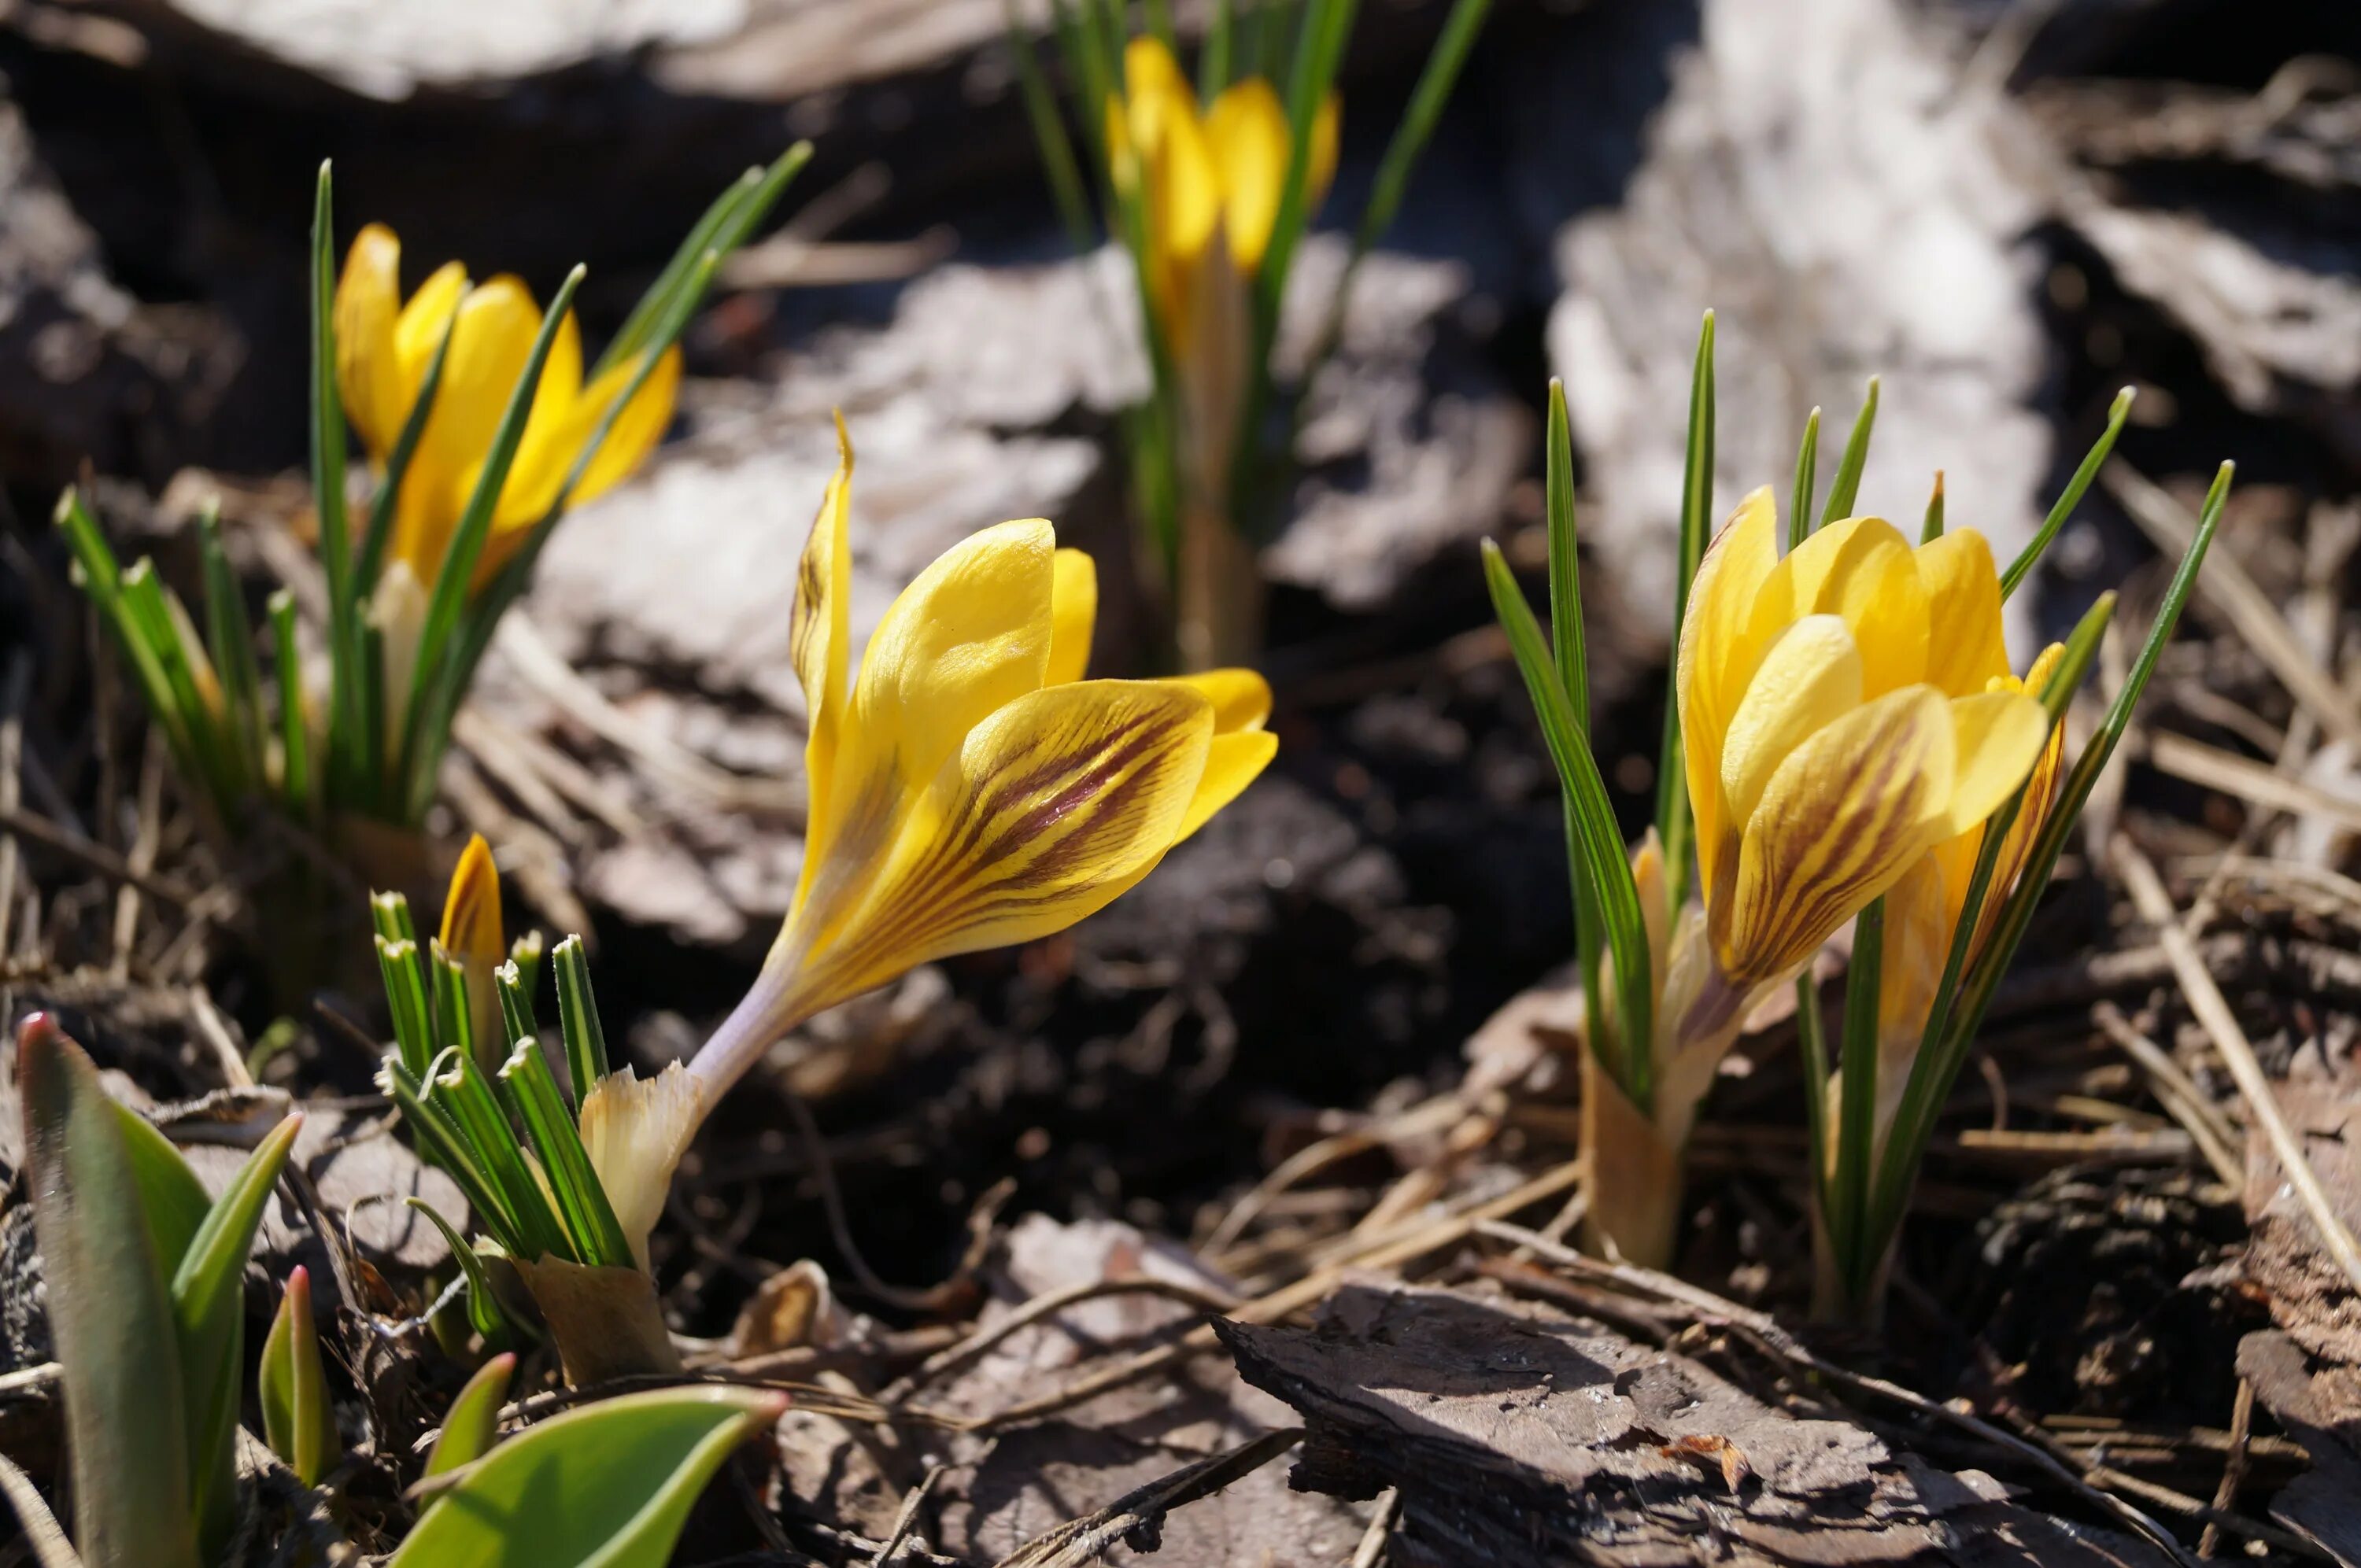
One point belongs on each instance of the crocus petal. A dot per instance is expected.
(1843, 817)
(369, 376)
(490, 344)
(638, 428)
(471, 910)
(819, 643)
(1051, 808)
(1921, 911)
(1999, 734)
(1074, 615)
(1862, 569)
(1716, 659)
(2040, 792)
(472, 935)
(1232, 762)
(1247, 133)
(1964, 648)
(418, 331)
(546, 451)
(1241, 699)
(634, 1131)
(1810, 677)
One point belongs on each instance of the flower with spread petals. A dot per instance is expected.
(967, 788)
(384, 345)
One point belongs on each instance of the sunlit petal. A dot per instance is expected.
(1862, 569)
(1073, 614)
(1841, 820)
(1241, 699)
(1999, 735)
(1810, 677)
(1247, 133)
(369, 375)
(1965, 649)
(1232, 762)
(418, 331)
(490, 345)
(1716, 659)
(819, 645)
(1051, 807)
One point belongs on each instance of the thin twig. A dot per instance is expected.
(906, 1519)
(2177, 1092)
(980, 1344)
(24, 824)
(12, 752)
(38, 1528)
(2234, 1467)
(2212, 1011)
(1372, 1549)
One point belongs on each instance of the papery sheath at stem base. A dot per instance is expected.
(1632, 1173)
(1218, 600)
(606, 1322)
(1832, 1301)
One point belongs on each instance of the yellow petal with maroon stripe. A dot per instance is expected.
(1841, 820)
(1232, 762)
(369, 375)
(1051, 808)
(1074, 615)
(1810, 677)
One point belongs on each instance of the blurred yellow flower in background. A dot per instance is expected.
(384, 345)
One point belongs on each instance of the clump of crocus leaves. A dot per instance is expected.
(483, 425)
(971, 788)
(1847, 741)
(1210, 189)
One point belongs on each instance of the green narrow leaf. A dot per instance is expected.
(1573, 678)
(1159, 16)
(229, 635)
(1674, 825)
(164, 626)
(1931, 529)
(526, 954)
(2022, 568)
(607, 1484)
(1799, 502)
(1057, 148)
(101, 580)
(1857, 1111)
(582, 1203)
(465, 1089)
(1319, 50)
(298, 1422)
(473, 1421)
(577, 1018)
(209, 1314)
(389, 916)
(484, 1312)
(1812, 1042)
(441, 1138)
(516, 1002)
(296, 781)
(1604, 861)
(1846, 490)
(328, 441)
(1213, 57)
(110, 1313)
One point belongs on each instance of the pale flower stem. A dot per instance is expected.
(757, 1024)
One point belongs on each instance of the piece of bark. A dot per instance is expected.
(1109, 1455)
(1517, 1435)
(1847, 212)
(2307, 1369)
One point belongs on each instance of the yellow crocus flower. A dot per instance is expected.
(383, 347)
(1846, 717)
(968, 789)
(1213, 183)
